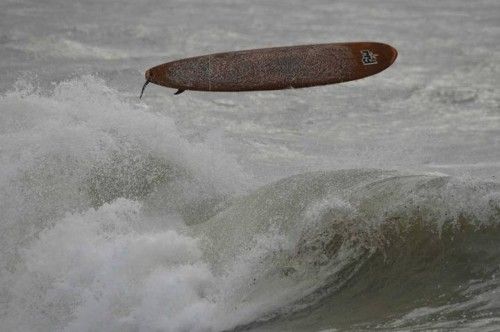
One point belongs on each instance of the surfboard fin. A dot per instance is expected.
(179, 91)
(143, 87)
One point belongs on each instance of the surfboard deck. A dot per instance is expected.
(275, 68)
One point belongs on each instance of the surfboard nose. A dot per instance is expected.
(394, 55)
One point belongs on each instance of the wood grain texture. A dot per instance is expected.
(275, 68)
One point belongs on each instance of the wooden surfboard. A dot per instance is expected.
(274, 68)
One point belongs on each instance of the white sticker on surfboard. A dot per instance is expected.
(368, 57)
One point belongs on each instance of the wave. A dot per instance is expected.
(94, 200)
(111, 220)
(65, 48)
(359, 248)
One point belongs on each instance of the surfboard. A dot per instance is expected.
(274, 68)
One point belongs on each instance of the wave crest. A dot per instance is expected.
(367, 235)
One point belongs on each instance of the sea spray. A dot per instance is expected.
(92, 235)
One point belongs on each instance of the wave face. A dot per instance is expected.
(362, 249)
(112, 220)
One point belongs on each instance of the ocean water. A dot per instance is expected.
(369, 205)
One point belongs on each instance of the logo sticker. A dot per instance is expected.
(368, 57)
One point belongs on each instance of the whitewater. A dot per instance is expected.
(369, 205)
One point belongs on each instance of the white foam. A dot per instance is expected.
(68, 264)
(66, 48)
(96, 271)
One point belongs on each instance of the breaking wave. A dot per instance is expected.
(112, 220)
(362, 249)
(91, 186)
